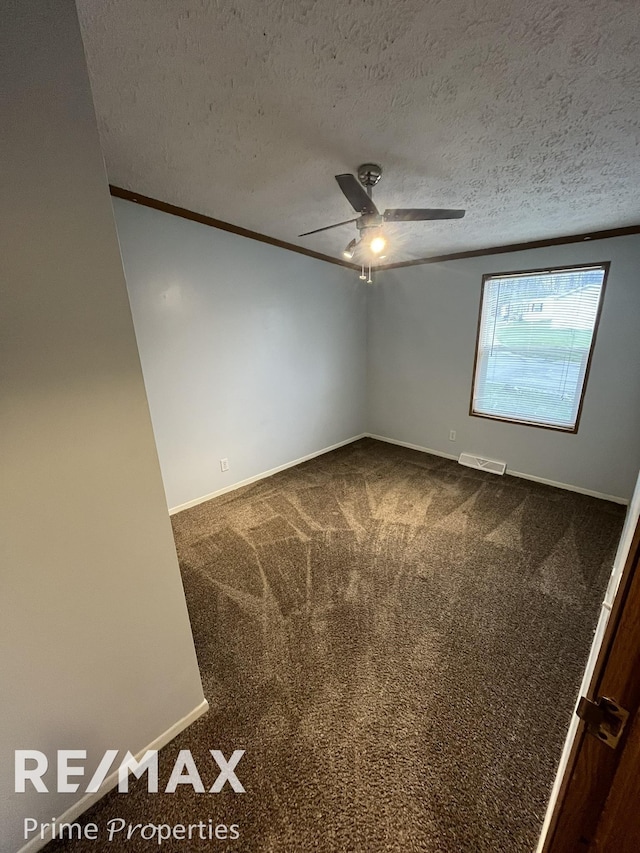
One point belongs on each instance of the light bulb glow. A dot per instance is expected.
(377, 245)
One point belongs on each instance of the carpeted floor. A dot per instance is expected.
(396, 641)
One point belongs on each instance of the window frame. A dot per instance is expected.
(604, 266)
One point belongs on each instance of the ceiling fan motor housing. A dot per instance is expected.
(369, 220)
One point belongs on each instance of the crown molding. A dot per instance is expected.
(193, 216)
(202, 219)
(517, 247)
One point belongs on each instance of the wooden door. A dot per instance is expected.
(619, 826)
(598, 807)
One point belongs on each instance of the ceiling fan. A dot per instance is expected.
(372, 243)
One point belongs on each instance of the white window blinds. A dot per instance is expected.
(534, 345)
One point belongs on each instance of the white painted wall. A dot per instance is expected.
(422, 335)
(249, 352)
(96, 646)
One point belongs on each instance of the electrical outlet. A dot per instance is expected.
(452, 435)
(224, 464)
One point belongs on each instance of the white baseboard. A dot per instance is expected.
(568, 486)
(112, 780)
(265, 474)
(412, 446)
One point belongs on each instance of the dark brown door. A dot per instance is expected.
(598, 808)
(619, 826)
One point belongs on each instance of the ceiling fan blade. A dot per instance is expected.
(356, 194)
(418, 214)
(327, 227)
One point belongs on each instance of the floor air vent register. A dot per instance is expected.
(482, 464)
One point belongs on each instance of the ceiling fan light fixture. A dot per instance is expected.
(350, 250)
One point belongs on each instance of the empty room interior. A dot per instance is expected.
(320, 416)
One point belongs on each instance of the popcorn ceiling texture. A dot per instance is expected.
(525, 113)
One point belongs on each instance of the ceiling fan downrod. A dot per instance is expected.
(369, 174)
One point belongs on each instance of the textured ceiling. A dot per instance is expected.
(526, 113)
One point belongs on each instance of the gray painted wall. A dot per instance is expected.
(249, 352)
(422, 334)
(97, 650)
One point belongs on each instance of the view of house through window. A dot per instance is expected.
(534, 345)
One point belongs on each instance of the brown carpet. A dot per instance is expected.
(396, 641)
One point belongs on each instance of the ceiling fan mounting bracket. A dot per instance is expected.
(369, 174)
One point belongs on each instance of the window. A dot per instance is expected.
(535, 339)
